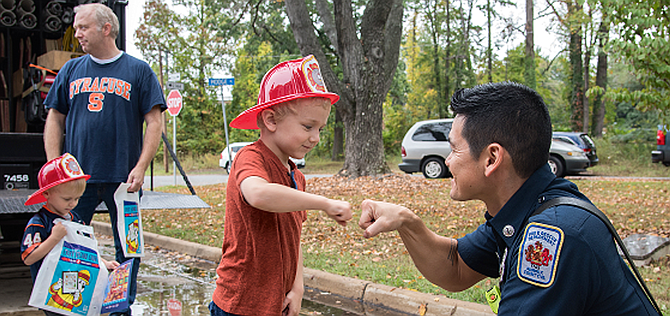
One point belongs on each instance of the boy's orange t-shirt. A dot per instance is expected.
(260, 249)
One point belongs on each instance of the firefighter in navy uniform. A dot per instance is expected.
(562, 261)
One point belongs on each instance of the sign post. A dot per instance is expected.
(174, 105)
(224, 82)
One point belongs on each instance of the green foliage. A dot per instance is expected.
(193, 47)
(557, 94)
(643, 28)
(397, 118)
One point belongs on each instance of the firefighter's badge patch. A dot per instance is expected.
(539, 253)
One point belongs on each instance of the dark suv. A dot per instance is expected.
(581, 140)
(662, 152)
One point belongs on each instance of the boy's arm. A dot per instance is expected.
(293, 300)
(57, 233)
(276, 198)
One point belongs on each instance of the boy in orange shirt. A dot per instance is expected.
(261, 267)
(62, 182)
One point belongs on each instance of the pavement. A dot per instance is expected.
(355, 290)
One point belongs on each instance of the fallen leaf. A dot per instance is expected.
(422, 309)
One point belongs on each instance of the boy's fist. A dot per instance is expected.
(59, 231)
(340, 211)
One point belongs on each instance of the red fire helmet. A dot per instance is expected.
(289, 80)
(56, 171)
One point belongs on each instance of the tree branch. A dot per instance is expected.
(350, 48)
(326, 17)
(305, 37)
(393, 39)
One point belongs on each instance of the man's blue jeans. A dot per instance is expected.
(104, 192)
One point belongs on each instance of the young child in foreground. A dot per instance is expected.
(261, 269)
(62, 182)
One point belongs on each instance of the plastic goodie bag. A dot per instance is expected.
(72, 278)
(129, 221)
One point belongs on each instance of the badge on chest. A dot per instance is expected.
(539, 254)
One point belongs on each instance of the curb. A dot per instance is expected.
(402, 300)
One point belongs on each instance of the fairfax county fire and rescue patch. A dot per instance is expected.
(539, 253)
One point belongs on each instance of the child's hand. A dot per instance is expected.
(292, 304)
(111, 265)
(340, 211)
(58, 231)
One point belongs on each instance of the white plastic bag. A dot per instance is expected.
(72, 278)
(129, 221)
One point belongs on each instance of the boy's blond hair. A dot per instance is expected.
(78, 185)
(289, 107)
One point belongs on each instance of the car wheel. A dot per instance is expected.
(434, 168)
(556, 166)
(227, 168)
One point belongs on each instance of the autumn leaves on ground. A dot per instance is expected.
(633, 206)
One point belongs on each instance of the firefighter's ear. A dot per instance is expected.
(492, 158)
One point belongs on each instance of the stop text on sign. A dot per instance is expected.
(174, 102)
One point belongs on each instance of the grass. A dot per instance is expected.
(633, 205)
(627, 159)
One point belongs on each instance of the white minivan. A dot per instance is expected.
(425, 147)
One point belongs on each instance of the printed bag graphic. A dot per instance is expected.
(117, 290)
(129, 221)
(71, 281)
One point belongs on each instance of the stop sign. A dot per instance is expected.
(174, 102)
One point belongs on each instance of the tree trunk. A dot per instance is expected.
(338, 137)
(529, 69)
(587, 79)
(601, 80)
(432, 14)
(489, 49)
(447, 55)
(368, 65)
(576, 74)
